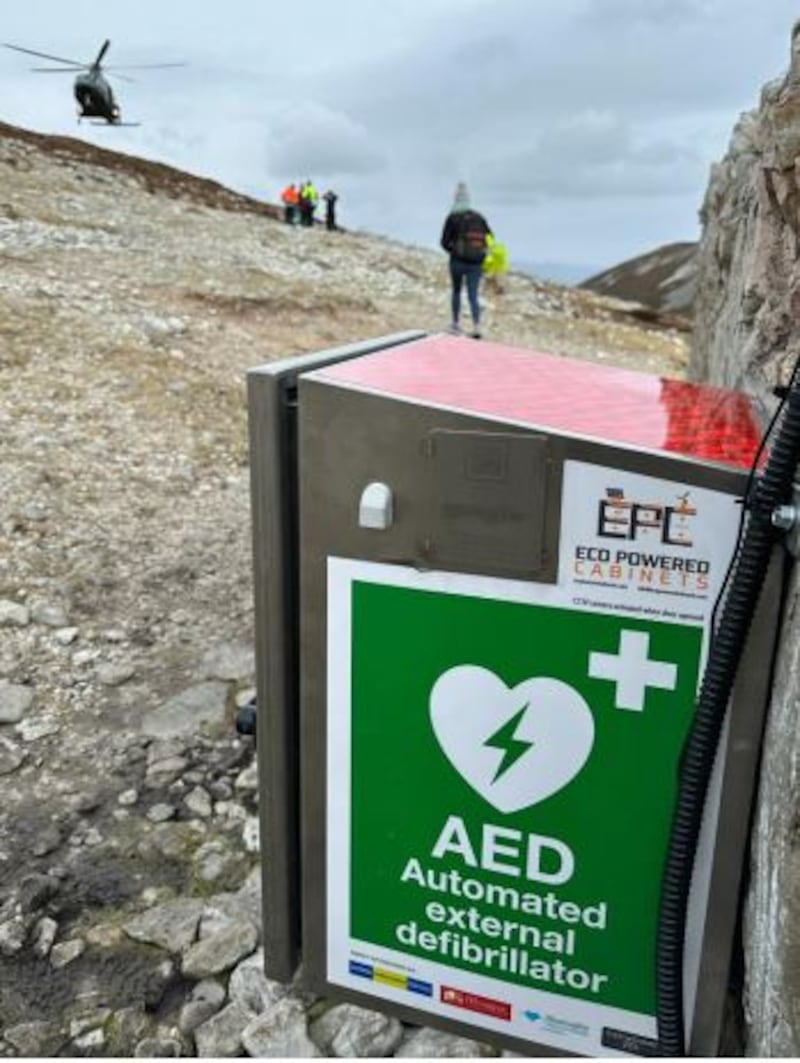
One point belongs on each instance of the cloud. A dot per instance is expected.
(594, 154)
(310, 138)
(630, 14)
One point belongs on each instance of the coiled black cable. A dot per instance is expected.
(769, 490)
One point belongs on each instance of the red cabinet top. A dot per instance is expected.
(618, 406)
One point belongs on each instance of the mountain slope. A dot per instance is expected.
(664, 279)
(133, 298)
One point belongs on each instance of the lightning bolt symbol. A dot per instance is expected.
(505, 740)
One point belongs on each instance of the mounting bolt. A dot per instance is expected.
(785, 517)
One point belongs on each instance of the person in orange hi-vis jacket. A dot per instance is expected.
(290, 197)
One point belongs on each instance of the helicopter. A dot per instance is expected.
(93, 93)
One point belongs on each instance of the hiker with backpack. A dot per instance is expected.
(464, 237)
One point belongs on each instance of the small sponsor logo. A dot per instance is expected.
(396, 979)
(554, 1024)
(416, 985)
(460, 998)
(634, 1043)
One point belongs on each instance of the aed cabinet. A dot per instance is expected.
(485, 579)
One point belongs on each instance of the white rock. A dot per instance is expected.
(161, 812)
(12, 614)
(171, 926)
(114, 675)
(92, 1041)
(44, 935)
(198, 801)
(50, 614)
(206, 1000)
(247, 780)
(436, 1044)
(12, 936)
(221, 1036)
(32, 730)
(66, 952)
(11, 756)
(350, 1031)
(221, 951)
(281, 1032)
(244, 697)
(15, 700)
(80, 658)
(250, 987)
(251, 836)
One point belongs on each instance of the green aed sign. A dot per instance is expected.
(501, 776)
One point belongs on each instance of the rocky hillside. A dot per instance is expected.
(664, 280)
(133, 298)
(747, 334)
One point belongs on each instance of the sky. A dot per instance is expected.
(585, 129)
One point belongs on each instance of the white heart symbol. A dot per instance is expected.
(515, 747)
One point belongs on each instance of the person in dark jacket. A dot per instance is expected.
(330, 198)
(464, 238)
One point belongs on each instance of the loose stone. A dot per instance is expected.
(44, 935)
(66, 635)
(206, 1000)
(49, 614)
(250, 987)
(349, 1031)
(436, 1044)
(161, 813)
(251, 836)
(11, 756)
(220, 951)
(280, 1032)
(15, 700)
(171, 926)
(65, 952)
(198, 802)
(12, 614)
(157, 1048)
(221, 1035)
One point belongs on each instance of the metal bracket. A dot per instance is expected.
(787, 519)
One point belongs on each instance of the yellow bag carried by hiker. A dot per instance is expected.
(495, 264)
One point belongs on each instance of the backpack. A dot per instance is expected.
(470, 241)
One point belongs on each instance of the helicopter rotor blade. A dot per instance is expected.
(100, 54)
(55, 69)
(145, 66)
(119, 77)
(43, 55)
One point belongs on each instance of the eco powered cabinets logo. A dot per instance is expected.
(511, 777)
(644, 544)
(622, 518)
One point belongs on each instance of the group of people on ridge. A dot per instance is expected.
(466, 237)
(300, 202)
(474, 252)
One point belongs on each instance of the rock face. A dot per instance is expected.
(133, 299)
(747, 335)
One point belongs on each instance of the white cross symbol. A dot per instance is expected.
(632, 670)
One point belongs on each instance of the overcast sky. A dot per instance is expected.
(585, 128)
